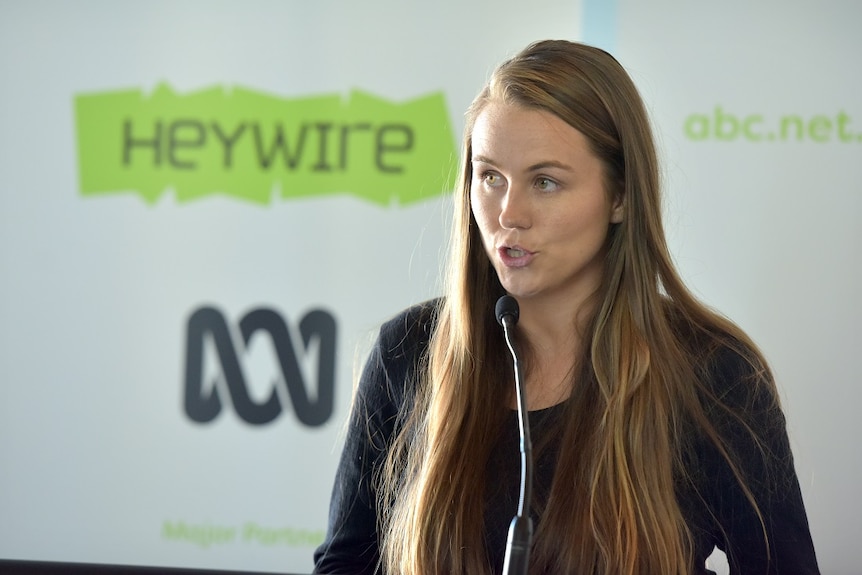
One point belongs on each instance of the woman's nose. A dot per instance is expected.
(515, 211)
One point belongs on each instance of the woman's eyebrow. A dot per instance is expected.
(533, 168)
(549, 164)
(483, 159)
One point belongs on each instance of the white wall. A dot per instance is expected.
(96, 453)
(99, 460)
(768, 231)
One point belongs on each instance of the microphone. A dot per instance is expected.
(520, 536)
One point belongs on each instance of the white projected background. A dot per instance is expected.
(759, 120)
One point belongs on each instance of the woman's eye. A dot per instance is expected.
(491, 179)
(546, 184)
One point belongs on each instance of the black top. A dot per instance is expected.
(719, 516)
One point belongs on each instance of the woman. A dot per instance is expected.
(657, 432)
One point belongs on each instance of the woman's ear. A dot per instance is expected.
(618, 209)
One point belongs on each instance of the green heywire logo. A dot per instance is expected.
(251, 146)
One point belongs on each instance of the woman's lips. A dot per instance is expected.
(515, 256)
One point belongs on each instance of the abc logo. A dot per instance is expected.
(317, 329)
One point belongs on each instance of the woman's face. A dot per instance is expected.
(539, 199)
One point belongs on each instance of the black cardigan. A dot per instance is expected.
(720, 516)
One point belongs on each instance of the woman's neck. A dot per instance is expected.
(553, 334)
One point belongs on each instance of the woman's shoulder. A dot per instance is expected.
(395, 362)
(725, 359)
(737, 375)
(413, 321)
(738, 394)
(407, 333)
(733, 383)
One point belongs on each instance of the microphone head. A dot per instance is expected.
(507, 306)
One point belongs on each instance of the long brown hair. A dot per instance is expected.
(613, 509)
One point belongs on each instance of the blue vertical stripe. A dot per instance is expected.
(600, 23)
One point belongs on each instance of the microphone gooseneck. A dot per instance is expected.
(521, 529)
